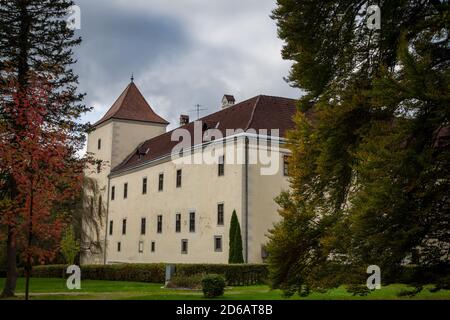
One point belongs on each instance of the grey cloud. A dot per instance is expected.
(179, 57)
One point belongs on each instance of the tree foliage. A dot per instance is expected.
(70, 247)
(235, 250)
(370, 151)
(35, 45)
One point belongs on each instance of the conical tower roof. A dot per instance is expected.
(131, 105)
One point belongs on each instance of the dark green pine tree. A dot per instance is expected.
(235, 254)
(35, 42)
(370, 151)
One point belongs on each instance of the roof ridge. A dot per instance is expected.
(253, 112)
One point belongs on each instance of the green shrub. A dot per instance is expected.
(213, 286)
(188, 282)
(443, 283)
(410, 293)
(358, 290)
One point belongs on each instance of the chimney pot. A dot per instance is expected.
(184, 120)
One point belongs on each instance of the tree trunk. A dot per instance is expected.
(30, 242)
(11, 275)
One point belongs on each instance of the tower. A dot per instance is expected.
(129, 122)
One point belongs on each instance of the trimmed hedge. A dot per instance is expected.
(235, 275)
(152, 273)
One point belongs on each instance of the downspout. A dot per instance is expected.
(246, 197)
(107, 220)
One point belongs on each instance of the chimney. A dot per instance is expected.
(184, 120)
(227, 101)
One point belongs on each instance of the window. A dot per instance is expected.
(161, 182)
(159, 225)
(220, 214)
(218, 244)
(111, 227)
(124, 226)
(125, 190)
(143, 225)
(99, 167)
(178, 223)
(153, 246)
(179, 175)
(91, 206)
(99, 144)
(192, 222)
(144, 186)
(264, 253)
(119, 246)
(221, 166)
(100, 206)
(141, 246)
(286, 166)
(184, 246)
(113, 193)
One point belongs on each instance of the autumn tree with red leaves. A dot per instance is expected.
(40, 160)
(35, 41)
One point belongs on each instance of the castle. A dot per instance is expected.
(161, 210)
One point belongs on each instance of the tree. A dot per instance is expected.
(34, 40)
(235, 250)
(85, 213)
(370, 159)
(40, 163)
(70, 247)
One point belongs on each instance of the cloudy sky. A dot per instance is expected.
(182, 53)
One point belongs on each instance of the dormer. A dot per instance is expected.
(228, 101)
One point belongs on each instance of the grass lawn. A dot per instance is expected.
(54, 289)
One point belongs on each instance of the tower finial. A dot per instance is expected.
(132, 77)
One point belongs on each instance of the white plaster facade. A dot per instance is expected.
(241, 188)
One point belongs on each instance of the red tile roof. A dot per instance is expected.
(131, 105)
(261, 112)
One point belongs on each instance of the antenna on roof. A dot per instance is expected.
(132, 77)
(198, 109)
